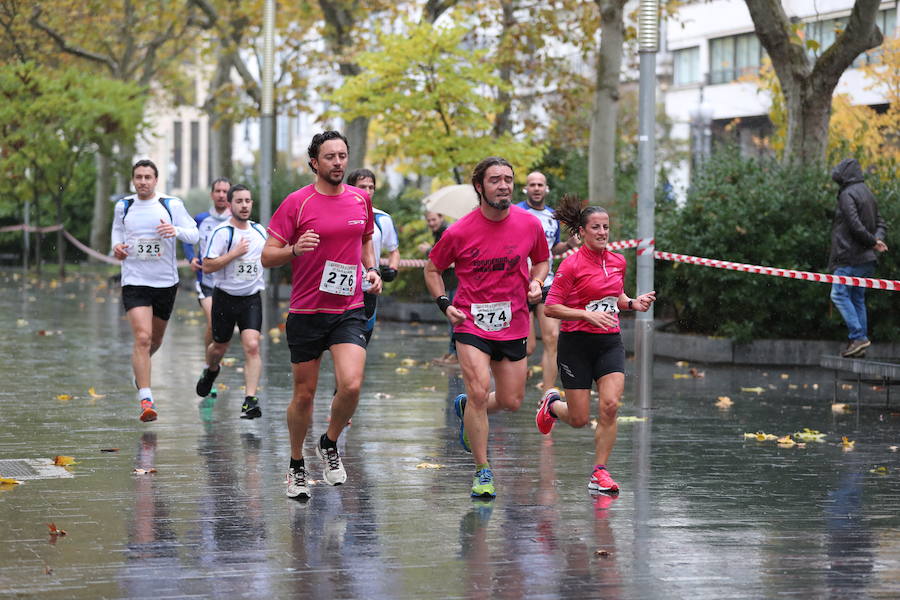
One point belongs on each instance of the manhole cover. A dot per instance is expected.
(31, 468)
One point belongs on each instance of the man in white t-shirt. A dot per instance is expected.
(145, 227)
(233, 253)
(384, 237)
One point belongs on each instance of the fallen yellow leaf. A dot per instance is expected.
(408, 362)
(427, 465)
(785, 376)
(390, 355)
(630, 419)
(10, 481)
(809, 435)
(93, 393)
(54, 530)
(786, 441)
(847, 443)
(753, 390)
(681, 363)
(401, 370)
(144, 471)
(840, 407)
(63, 397)
(228, 361)
(64, 461)
(680, 376)
(724, 402)
(879, 470)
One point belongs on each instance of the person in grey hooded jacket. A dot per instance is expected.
(857, 237)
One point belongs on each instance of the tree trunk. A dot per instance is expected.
(357, 133)
(60, 239)
(808, 86)
(602, 149)
(100, 222)
(221, 129)
(503, 120)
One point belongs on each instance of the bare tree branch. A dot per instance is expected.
(66, 47)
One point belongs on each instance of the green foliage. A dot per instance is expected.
(51, 125)
(425, 92)
(763, 213)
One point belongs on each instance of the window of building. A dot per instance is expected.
(687, 66)
(177, 152)
(825, 32)
(195, 154)
(733, 57)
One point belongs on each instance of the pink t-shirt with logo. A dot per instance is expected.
(325, 280)
(491, 262)
(589, 281)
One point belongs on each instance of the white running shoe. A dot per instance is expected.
(334, 472)
(296, 483)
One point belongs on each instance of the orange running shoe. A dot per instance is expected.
(148, 411)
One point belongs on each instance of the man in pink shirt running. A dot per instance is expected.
(325, 231)
(490, 248)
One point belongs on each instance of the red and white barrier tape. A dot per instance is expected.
(878, 284)
(643, 247)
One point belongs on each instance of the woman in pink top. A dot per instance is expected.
(587, 295)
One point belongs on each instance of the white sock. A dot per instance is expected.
(145, 393)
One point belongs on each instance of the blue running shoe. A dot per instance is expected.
(459, 407)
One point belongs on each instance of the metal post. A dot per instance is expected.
(648, 45)
(267, 121)
(267, 116)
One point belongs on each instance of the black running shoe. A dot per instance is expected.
(205, 383)
(250, 409)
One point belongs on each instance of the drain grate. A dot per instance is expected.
(31, 468)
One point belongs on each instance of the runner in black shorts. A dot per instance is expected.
(587, 295)
(233, 253)
(144, 229)
(490, 249)
(324, 230)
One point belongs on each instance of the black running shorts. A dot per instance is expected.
(308, 336)
(228, 311)
(583, 357)
(544, 291)
(511, 350)
(203, 291)
(161, 299)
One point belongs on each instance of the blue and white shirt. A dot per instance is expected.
(551, 231)
(206, 222)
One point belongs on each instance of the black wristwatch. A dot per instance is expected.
(630, 307)
(374, 269)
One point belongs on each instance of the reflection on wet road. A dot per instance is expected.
(703, 513)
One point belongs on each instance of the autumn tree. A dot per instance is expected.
(51, 122)
(136, 43)
(426, 95)
(808, 83)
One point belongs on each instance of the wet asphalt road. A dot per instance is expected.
(703, 512)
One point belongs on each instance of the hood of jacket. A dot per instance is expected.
(847, 171)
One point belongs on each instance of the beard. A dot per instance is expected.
(499, 205)
(332, 179)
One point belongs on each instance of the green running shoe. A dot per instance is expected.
(483, 484)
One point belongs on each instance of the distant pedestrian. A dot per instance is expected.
(587, 294)
(857, 237)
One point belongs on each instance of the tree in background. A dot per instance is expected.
(854, 130)
(426, 95)
(136, 43)
(807, 83)
(51, 123)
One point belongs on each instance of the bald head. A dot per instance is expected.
(536, 188)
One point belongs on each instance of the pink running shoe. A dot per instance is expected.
(544, 420)
(602, 482)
